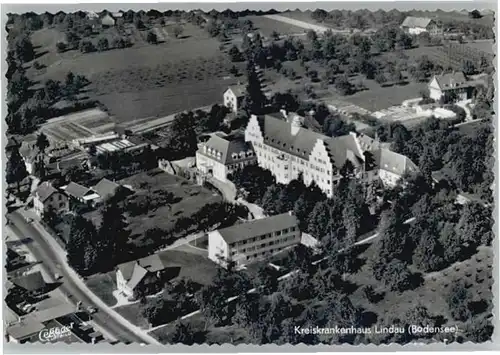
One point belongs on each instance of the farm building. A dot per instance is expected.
(108, 20)
(417, 25)
(446, 85)
(147, 274)
(233, 96)
(47, 197)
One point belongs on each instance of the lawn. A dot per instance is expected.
(102, 285)
(154, 80)
(213, 335)
(194, 267)
(377, 98)
(189, 198)
(266, 26)
(132, 313)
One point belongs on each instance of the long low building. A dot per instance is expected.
(247, 242)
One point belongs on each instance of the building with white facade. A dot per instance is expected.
(222, 154)
(389, 167)
(285, 148)
(246, 242)
(46, 197)
(417, 25)
(233, 96)
(446, 85)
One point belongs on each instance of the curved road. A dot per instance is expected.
(42, 251)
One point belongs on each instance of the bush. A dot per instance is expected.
(61, 47)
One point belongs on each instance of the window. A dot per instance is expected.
(284, 231)
(292, 229)
(278, 233)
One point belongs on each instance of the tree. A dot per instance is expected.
(112, 236)
(79, 248)
(475, 14)
(468, 67)
(458, 300)
(152, 38)
(343, 85)
(267, 279)
(86, 46)
(178, 30)
(102, 44)
(397, 276)
(254, 100)
(24, 49)
(183, 334)
(42, 142)
(275, 35)
(235, 54)
(16, 169)
(61, 47)
(428, 255)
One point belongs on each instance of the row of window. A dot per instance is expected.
(264, 253)
(264, 236)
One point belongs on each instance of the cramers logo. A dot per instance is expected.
(55, 333)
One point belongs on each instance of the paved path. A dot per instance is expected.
(46, 249)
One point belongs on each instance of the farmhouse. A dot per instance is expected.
(46, 198)
(222, 154)
(247, 242)
(79, 192)
(389, 167)
(105, 188)
(451, 85)
(146, 275)
(233, 96)
(108, 20)
(417, 25)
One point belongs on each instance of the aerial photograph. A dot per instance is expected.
(318, 177)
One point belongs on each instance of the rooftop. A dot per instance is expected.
(258, 227)
(105, 187)
(411, 21)
(238, 90)
(393, 162)
(452, 81)
(31, 282)
(44, 191)
(226, 149)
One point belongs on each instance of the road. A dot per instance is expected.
(76, 290)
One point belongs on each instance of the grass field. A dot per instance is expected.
(189, 199)
(143, 80)
(132, 313)
(266, 26)
(102, 285)
(378, 98)
(484, 46)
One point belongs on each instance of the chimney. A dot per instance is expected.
(284, 113)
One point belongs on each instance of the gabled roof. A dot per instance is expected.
(44, 191)
(76, 190)
(30, 282)
(134, 271)
(137, 275)
(413, 22)
(393, 162)
(238, 90)
(278, 134)
(224, 148)
(105, 187)
(258, 227)
(452, 81)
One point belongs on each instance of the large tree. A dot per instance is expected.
(16, 169)
(254, 100)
